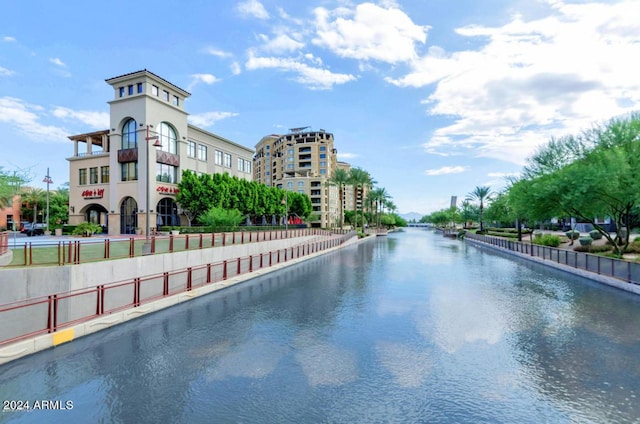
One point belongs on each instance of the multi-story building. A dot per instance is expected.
(302, 161)
(119, 174)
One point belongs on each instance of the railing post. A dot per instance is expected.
(49, 314)
(136, 291)
(186, 242)
(208, 273)
(250, 263)
(153, 244)
(260, 260)
(270, 257)
(165, 284)
(238, 270)
(189, 276)
(224, 270)
(170, 243)
(131, 247)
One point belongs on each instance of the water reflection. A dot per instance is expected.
(411, 327)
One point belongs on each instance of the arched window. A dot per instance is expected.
(130, 135)
(128, 216)
(167, 138)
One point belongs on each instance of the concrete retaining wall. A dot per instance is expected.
(18, 284)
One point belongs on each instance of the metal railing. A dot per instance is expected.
(84, 251)
(4, 242)
(620, 269)
(32, 317)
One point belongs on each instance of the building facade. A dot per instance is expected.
(116, 174)
(301, 161)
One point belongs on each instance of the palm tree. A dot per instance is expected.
(358, 178)
(481, 195)
(32, 197)
(340, 177)
(381, 195)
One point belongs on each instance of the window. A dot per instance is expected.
(167, 138)
(301, 191)
(227, 160)
(300, 183)
(104, 174)
(176, 101)
(323, 171)
(240, 164)
(247, 166)
(154, 90)
(191, 149)
(165, 95)
(82, 176)
(323, 163)
(289, 184)
(290, 151)
(129, 171)
(290, 159)
(130, 135)
(130, 89)
(290, 166)
(323, 155)
(218, 157)
(93, 175)
(202, 152)
(139, 87)
(268, 147)
(166, 173)
(121, 91)
(323, 148)
(268, 173)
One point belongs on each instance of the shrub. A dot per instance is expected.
(595, 234)
(573, 235)
(593, 248)
(217, 217)
(86, 229)
(585, 241)
(546, 240)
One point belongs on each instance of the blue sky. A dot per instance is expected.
(432, 97)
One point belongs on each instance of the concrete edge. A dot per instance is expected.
(598, 278)
(26, 347)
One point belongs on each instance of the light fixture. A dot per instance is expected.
(146, 247)
(47, 179)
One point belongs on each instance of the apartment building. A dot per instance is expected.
(303, 161)
(119, 174)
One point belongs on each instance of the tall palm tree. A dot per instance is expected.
(358, 178)
(381, 195)
(33, 197)
(481, 195)
(340, 178)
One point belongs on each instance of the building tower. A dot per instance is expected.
(302, 161)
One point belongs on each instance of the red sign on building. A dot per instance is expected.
(167, 190)
(96, 193)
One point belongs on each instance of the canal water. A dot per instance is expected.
(409, 328)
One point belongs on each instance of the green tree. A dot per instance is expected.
(219, 217)
(10, 184)
(359, 179)
(32, 199)
(480, 195)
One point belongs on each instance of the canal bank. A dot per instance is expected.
(622, 275)
(167, 293)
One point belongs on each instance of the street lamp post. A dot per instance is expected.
(47, 179)
(146, 247)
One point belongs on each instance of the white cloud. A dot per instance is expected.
(280, 44)
(252, 8)
(205, 78)
(530, 80)
(445, 170)
(236, 69)
(26, 118)
(344, 156)
(369, 32)
(217, 52)
(97, 120)
(56, 61)
(8, 39)
(208, 119)
(314, 78)
(4, 72)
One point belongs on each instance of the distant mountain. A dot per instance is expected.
(411, 216)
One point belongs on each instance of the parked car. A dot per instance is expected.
(31, 229)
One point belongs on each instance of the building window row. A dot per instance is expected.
(244, 165)
(130, 89)
(129, 171)
(191, 149)
(94, 177)
(202, 152)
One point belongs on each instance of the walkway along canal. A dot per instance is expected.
(412, 327)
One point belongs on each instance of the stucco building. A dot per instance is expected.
(142, 154)
(303, 161)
